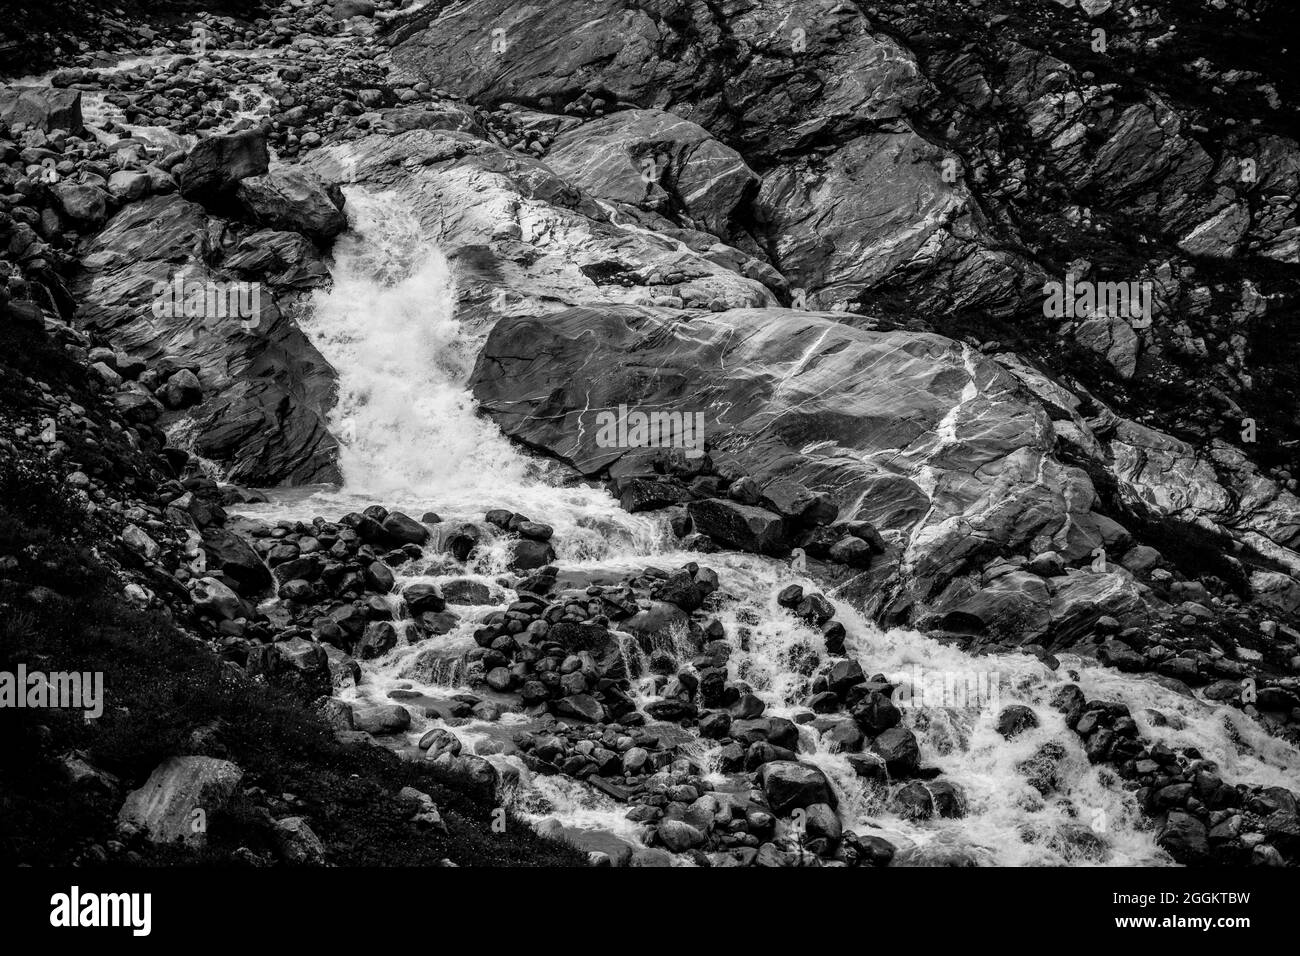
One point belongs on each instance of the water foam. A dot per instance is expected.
(413, 437)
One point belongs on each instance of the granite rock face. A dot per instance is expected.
(267, 388)
(950, 453)
(524, 240)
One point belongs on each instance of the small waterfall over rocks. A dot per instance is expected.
(413, 439)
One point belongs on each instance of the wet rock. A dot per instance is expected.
(380, 719)
(43, 108)
(876, 713)
(402, 529)
(743, 527)
(527, 555)
(679, 589)
(671, 710)
(422, 597)
(1184, 837)
(679, 836)
(898, 748)
(874, 850)
(643, 494)
(262, 429)
(657, 619)
(715, 726)
(466, 592)
(648, 158)
(581, 706)
(1015, 719)
(821, 822)
(789, 785)
(292, 198)
(1119, 655)
(379, 638)
(869, 766)
(220, 162)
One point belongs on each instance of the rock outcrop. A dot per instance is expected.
(156, 283)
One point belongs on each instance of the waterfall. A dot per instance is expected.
(412, 438)
(404, 420)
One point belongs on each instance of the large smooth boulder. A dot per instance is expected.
(897, 746)
(743, 527)
(179, 797)
(42, 107)
(789, 785)
(927, 437)
(403, 529)
(84, 205)
(266, 396)
(218, 163)
(379, 719)
(294, 198)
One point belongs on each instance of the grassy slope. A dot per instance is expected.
(61, 609)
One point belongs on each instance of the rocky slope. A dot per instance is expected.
(830, 231)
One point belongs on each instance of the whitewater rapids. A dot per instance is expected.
(413, 439)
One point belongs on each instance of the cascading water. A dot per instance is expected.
(412, 438)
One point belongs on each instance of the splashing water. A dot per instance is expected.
(387, 326)
(412, 437)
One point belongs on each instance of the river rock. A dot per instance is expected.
(220, 162)
(790, 785)
(175, 802)
(292, 198)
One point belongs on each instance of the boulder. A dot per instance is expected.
(265, 405)
(899, 749)
(228, 552)
(42, 107)
(403, 529)
(743, 527)
(219, 163)
(380, 719)
(527, 554)
(213, 598)
(423, 596)
(293, 198)
(84, 205)
(1015, 719)
(679, 836)
(179, 797)
(789, 785)
(297, 844)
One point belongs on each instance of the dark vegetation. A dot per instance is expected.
(166, 693)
